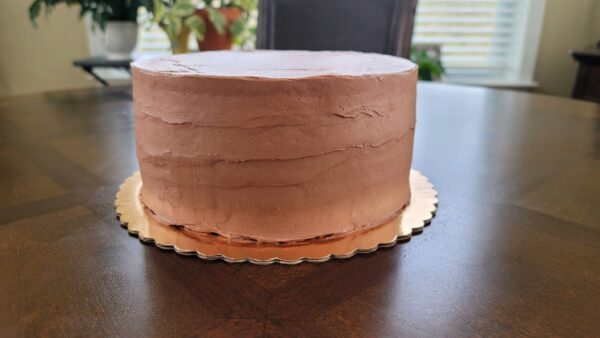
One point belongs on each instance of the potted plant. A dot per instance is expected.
(214, 25)
(222, 29)
(177, 19)
(428, 58)
(117, 18)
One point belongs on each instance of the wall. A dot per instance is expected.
(568, 24)
(34, 60)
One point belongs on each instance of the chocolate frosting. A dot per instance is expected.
(275, 146)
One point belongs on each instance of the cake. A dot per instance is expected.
(275, 146)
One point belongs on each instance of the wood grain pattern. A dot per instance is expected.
(513, 251)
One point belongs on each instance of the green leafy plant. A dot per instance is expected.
(246, 7)
(430, 66)
(178, 18)
(101, 11)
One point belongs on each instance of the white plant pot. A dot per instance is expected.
(120, 39)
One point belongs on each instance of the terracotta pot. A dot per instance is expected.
(212, 39)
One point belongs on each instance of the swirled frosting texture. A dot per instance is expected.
(275, 146)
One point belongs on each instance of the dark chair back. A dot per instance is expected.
(378, 26)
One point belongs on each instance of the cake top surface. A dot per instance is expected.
(276, 64)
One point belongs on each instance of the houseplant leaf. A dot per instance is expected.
(182, 9)
(197, 26)
(247, 5)
(237, 27)
(34, 12)
(217, 19)
(159, 10)
(173, 25)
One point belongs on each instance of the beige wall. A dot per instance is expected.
(34, 60)
(568, 24)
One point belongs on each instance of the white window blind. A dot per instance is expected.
(487, 41)
(152, 40)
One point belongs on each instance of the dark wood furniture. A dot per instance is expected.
(587, 82)
(378, 26)
(89, 64)
(513, 251)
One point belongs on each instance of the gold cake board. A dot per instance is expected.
(415, 217)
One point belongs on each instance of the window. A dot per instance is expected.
(491, 42)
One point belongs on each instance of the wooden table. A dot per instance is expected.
(514, 249)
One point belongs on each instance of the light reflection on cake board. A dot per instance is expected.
(416, 216)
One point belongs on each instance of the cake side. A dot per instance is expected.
(275, 158)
